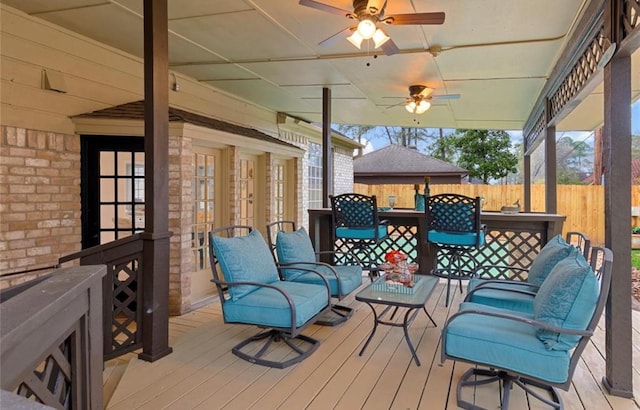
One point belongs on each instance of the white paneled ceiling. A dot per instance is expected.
(496, 54)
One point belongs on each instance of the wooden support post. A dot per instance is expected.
(527, 183)
(617, 181)
(327, 151)
(551, 187)
(155, 315)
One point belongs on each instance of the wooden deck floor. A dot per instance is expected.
(202, 373)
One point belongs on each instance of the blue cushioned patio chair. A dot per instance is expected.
(454, 229)
(536, 351)
(292, 248)
(356, 224)
(252, 293)
(519, 286)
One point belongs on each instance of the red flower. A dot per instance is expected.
(394, 257)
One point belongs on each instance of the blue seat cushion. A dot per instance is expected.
(361, 233)
(505, 295)
(268, 307)
(454, 238)
(350, 277)
(245, 258)
(567, 299)
(551, 253)
(504, 344)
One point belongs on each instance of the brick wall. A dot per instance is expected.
(342, 170)
(180, 220)
(39, 198)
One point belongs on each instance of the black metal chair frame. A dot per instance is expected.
(271, 334)
(342, 217)
(339, 313)
(482, 376)
(455, 224)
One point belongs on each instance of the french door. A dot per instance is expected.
(112, 188)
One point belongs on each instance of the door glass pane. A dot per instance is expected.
(107, 163)
(107, 190)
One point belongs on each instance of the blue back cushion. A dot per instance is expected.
(567, 299)
(245, 258)
(553, 252)
(294, 247)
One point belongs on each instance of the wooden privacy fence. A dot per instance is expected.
(583, 205)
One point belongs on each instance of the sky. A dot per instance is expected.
(378, 140)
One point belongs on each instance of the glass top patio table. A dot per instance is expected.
(375, 293)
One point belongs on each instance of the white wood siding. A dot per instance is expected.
(96, 76)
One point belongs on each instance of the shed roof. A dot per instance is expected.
(397, 160)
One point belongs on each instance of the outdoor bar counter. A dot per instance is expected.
(512, 239)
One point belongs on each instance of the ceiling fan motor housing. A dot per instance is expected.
(361, 9)
(415, 90)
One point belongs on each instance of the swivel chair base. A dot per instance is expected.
(276, 336)
(478, 377)
(338, 314)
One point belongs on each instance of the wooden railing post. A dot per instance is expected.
(51, 340)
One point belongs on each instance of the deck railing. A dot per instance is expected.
(51, 340)
(121, 292)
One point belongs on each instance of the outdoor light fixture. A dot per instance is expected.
(367, 30)
(418, 106)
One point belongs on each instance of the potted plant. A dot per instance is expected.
(635, 237)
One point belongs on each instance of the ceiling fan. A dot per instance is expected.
(420, 97)
(369, 13)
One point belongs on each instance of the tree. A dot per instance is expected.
(574, 160)
(486, 154)
(444, 148)
(406, 136)
(355, 132)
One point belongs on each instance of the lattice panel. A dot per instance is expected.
(125, 326)
(503, 247)
(581, 72)
(537, 130)
(51, 381)
(401, 237)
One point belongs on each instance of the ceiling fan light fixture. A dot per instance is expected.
(379, 38)
(366, 28)
(411, 107)
(356, 39)
(422, 106)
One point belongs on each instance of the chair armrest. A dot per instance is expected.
(512, 317)
(297, 266)
(494, 286)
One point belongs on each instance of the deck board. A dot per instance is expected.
(202, 373)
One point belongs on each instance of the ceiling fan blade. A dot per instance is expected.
(390, 48)
(415, 18)
(375, 6)
(325, 7)
(339, 35)
(446, 97)
(395, 105)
